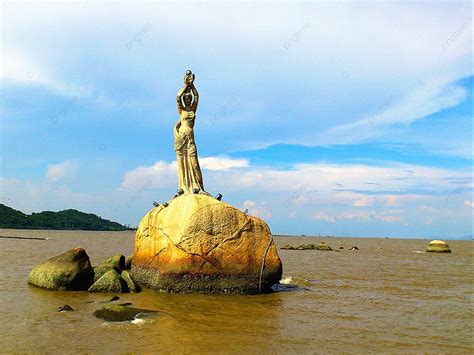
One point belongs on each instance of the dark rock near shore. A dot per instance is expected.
(354, 248)
(111, 281)
(69, 271)
(116, 313)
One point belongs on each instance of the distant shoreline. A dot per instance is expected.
(62, 220)
(274, 235)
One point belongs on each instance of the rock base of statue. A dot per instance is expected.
(199, 244)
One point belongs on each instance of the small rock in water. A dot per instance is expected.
(308, 246)
(114, 298)
(115, 313)
(126, 304)
(111, 281)
(438, 246)
(323, 246)
(354, 248)
(100, 270)
(288, 247)
(65, 308)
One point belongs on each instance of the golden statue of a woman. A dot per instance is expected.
(189, 171)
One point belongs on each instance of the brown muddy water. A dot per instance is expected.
(383, 298)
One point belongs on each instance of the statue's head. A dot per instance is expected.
(187, 98)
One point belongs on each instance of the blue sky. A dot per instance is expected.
(348, 118)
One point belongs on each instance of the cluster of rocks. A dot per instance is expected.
(311, 246)
(113, 312)
(72, 271)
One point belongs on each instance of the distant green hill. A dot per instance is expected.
(67, 219)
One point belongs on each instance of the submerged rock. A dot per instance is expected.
(69, 271)
(132, 286)
(288, 247)
(323, 246)
(116, 313)
(200, 244)
(111, 281)
(438, 246)
(114, 298)
(65, 308)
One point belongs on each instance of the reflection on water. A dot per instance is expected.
(383, 297)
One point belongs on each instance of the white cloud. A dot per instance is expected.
(61, 171)
(324, 217)
(364, 201)
(222, 163)
(469, 203)
(18, 68)
(392, 200)
(161, 174)
(426, 99)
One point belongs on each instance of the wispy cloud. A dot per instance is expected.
(61, 171)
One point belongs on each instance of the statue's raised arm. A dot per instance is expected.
(179, 97)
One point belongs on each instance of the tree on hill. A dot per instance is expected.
(67, 219)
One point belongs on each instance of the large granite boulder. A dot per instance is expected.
(438, 246)
(200, 244)
(69, 271)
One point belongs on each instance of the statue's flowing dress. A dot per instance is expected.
(189, 171)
